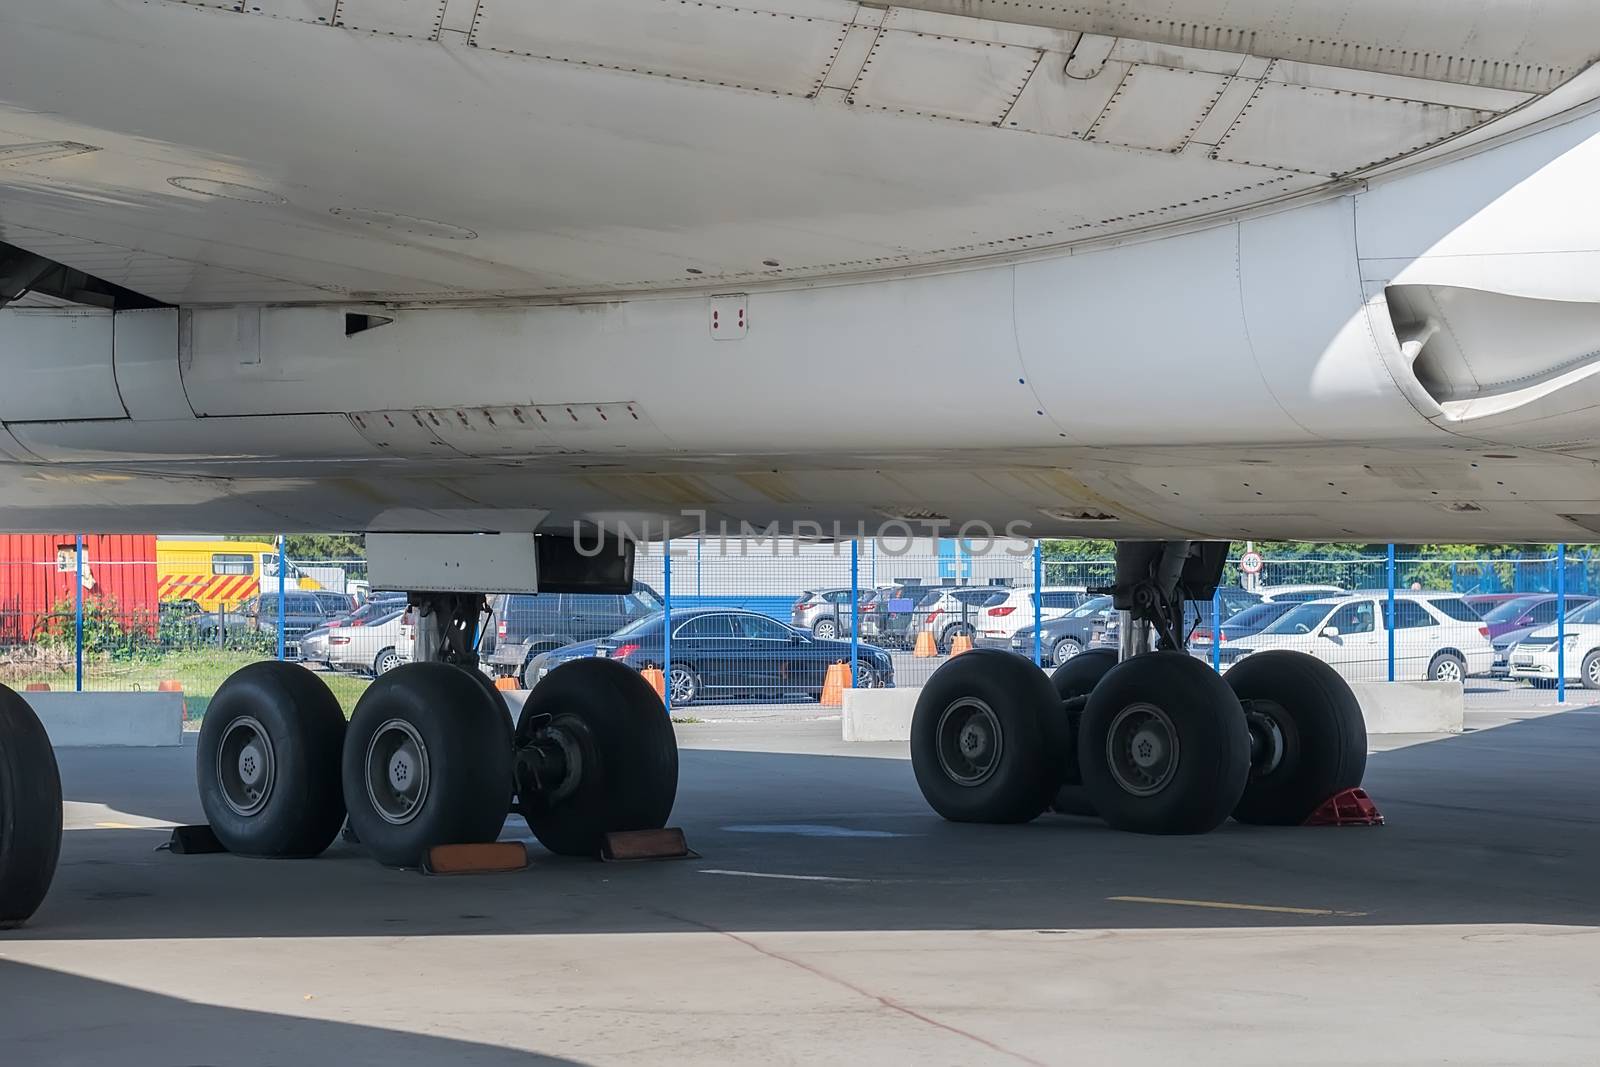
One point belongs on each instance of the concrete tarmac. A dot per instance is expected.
(833, 919)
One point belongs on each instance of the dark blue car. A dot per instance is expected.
(721, 653)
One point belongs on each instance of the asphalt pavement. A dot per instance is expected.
(832, 918)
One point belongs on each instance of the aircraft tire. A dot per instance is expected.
(1309, 735)
(1076, 678)
(268, 762)
(988, 739)
(30, 811)
(1163, 747)
(621, 755)
(427, 762)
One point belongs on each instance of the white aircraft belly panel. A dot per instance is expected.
(722, 45)
(57, 364)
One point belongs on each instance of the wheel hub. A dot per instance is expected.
(1266, 740)
(246, 766)
(1142, 749)
(969, 742)
(397, 772)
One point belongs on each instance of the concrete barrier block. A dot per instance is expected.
(127, 720)
(1387, 707)
(879, 714)
(1412, 707)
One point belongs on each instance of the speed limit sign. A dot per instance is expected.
(1250, 563)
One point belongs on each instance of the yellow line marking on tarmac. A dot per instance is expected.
(1221, 905)
(115, 826)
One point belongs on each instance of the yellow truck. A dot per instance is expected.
(219, 573)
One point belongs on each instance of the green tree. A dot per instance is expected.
(315, 546)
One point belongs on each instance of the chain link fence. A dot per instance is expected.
(773, 621)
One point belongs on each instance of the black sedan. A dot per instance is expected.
(719, 653)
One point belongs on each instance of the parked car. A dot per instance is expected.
(303, 612)
(998, 621)
(314, 643)
(1065, 636)
(904, 605)
(1248, 622)
(1198, 616)
(375, 646)
(718, 652)
(955, 612)
(1538, 656)
(1528, 612)
(1296, 594)
(528, 624)
(1437, 636)
(875, 611)
(1482, 603)
(827, 613)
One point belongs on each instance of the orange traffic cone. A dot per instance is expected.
(960, 643)
(834, 685)
(170, 685)
(925, 646)
(657, 680)
(505, 683)
(37, 687)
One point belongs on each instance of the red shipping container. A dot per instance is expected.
(37, 579)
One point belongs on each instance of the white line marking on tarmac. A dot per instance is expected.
(783, 877)
(1226, 906)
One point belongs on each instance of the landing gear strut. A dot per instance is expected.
(1148, 737)
(430, 757)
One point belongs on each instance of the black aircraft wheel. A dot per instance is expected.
(30, 811)
(988, 740)
(268, 762)
(1163, 747)
(1074, 681)
(595, 754)
(1308, 740)
(427, 762)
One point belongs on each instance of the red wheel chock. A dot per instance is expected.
(1352, 807)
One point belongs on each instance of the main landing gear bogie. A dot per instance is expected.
(430, 757)
(1150, 741)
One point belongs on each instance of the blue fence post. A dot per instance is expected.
(855, 609)
(282, 596)
(1561, 624)
(666, 620)
(1389, 623)
(1038, 604)
(78, 639)
(1216, 629)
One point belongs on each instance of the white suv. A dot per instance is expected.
(1437, 636)
(997, 622)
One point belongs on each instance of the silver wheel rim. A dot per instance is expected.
(1065, 650)
(247, 766)
(1142, 749)
(865, 677)
(1593, 671)
(826, 630)
(969, 741)
(397, 772)
(388, 660)
(682, 686)
(1449, 671)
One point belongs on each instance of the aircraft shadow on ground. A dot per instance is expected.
(50, 1016)
(1494, 826)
